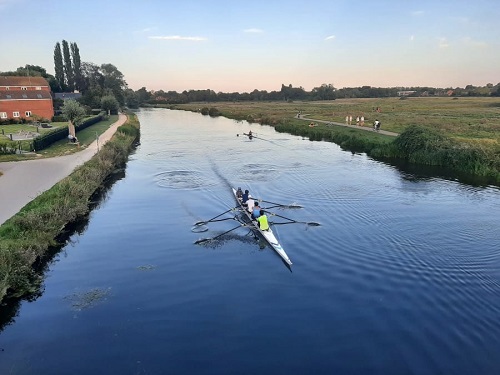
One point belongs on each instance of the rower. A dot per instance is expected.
(239, 193)
(244, 198)
(250, 204)
(256, 210)
(262, 219)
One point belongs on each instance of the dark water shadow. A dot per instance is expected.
(9, 309)
(417, 172)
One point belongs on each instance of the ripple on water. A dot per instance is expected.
(182, 179)
(259, 172)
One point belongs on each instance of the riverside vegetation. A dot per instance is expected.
(28, 237)
(459, 134)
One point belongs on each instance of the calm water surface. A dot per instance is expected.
(402, 276)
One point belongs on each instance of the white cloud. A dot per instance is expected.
(331, 37)
(474, 43)
(178, 37)
(143, 31)
(461, 20)
(443, 43)
(412, 38)
(253, 31)
(417, 13)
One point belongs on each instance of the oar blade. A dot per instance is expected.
(202, 240)
(313, 224)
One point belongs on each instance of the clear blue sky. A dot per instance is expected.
(244, 45)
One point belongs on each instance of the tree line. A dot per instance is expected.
(96, 82)
(323, 92)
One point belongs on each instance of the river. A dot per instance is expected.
(401, 277)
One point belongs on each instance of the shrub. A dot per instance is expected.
(213, 112)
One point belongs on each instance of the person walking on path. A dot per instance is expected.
(22, 182)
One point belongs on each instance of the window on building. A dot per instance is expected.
(3, 114)
(25, 96)
(24, 88)
(38, 88)
(8, 96)
(39, 96)
(7, 88)
(27, 113)
(15, 114)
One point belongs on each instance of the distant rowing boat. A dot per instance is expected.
(268, 235)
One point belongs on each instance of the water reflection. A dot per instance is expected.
(420, 173)
(400, 278)
(10, 307)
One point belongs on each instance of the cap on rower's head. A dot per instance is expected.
(256, 203)
(246, 191)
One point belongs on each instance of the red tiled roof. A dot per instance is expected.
(22, 81)
(24, 95)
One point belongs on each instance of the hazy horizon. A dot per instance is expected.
(230, 47)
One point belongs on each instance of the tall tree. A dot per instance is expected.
(59, 66)
(68, 66)
(77, 66)
(109, 104)
(114, 81)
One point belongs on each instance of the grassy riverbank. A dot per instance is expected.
(462, 134)
(27, 238)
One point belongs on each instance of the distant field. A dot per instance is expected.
(475, 120)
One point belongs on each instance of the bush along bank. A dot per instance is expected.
(416, 145)
(28, 237)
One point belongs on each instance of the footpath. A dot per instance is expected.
(23, 181)
(367, 128)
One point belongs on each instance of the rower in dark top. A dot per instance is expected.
(250, 135)
(244, 198)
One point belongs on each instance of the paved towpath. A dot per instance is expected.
(22, 181)
(367, 128)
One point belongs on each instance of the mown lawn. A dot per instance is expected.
(63, 147)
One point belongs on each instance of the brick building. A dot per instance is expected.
(25, 97)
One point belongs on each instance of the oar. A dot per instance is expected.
(220, 235)
(247, 135)
(279, 204)
(310, 223)
(212, 219)
(253, 136)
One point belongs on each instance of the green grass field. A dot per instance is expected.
(475, 120)
(63, 147)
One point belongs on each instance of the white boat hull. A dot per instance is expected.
(267, 234)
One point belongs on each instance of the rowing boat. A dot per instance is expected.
(268, 235)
